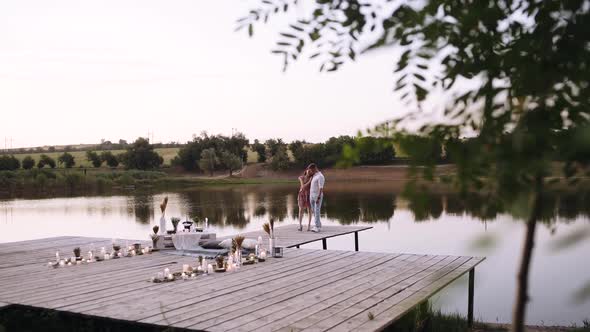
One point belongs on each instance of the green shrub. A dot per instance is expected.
(67, 160)
(45, 160)
(9, 163)
(93, 158)
(28, 162)
(126, 180)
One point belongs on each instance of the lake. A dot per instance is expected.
(444, 224)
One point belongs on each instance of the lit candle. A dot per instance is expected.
(107, 256)
(199, 268)
(69, 263)
(90, 255)
(73, 259)
(133, 252)
(170, 277)
(49, 263)
(57, 256)
(263, 254)
(166, 271)
(62, 263)
(184, 276)
(120, 254)
(209, 268)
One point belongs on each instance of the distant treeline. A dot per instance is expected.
(139, 155)
(104, 145)
(210, 153)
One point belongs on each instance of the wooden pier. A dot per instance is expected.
(306, 290)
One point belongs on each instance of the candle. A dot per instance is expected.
(184, 276)
(78, 262)
(107, 256)
(90, 255)
(160, 275)
(166, 271)
(199, 268)
(69, 263)
(120, 254)
(49, 263)
(103, 250)
(133, 252)
(263, 254)
(170, 277)
(184, 268)
(209, 268)
(57, 256)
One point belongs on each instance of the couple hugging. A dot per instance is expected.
(311, 193)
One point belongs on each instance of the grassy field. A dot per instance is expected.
(80, 156)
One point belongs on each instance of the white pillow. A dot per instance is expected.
(249, 244)
(225, 243)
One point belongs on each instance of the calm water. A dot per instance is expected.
(443, 225)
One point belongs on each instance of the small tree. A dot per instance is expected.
(208, 161)
(260, 149)
(93, 158)
(280, 160)
(109, 158)
(67, 160)
(141, 155)
(28, 162)
(230, 161)
(45, 160)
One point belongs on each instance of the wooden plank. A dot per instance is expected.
(397, 305)
(264, 296)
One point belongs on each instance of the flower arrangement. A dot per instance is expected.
(77, 252)
(220, 261)
(175, 222)
(155, 237)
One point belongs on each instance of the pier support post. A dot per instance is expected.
(470, 298)
(356, 241)
(325, 243)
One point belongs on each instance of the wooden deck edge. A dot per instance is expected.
(331, 236)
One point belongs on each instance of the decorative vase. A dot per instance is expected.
(163, 225)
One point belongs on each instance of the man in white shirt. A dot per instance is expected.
(316, 195)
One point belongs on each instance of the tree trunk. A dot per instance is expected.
(519, 313)
(230, 172)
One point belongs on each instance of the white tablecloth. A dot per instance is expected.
(190, 241)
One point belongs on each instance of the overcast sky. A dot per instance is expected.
(79, 71)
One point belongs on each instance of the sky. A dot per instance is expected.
(75, 72)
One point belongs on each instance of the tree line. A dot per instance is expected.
(138, 155)
(210, 153)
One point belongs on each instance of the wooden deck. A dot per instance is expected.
(310, 290)
(288, 236)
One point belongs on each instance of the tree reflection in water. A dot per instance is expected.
(346, 204)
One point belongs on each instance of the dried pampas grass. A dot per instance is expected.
(164, 204)
(266, 228)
